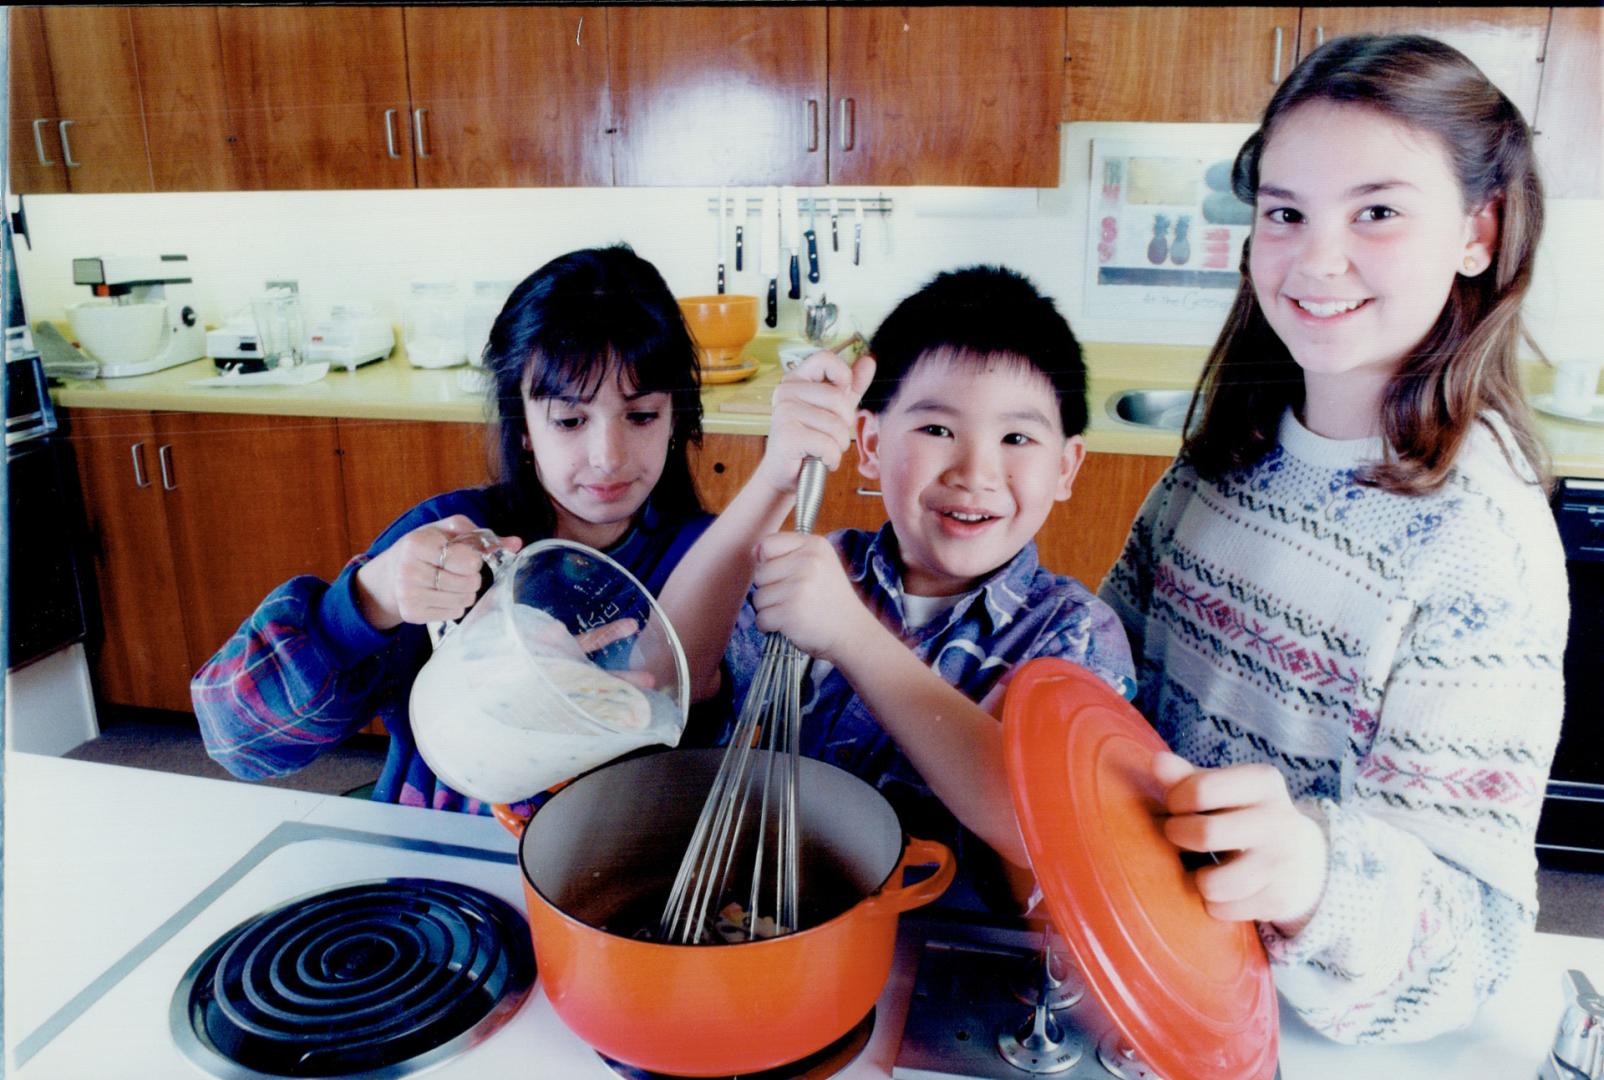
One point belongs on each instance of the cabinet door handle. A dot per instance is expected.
(813, 125)
(140, 479)
(164, 455)
(849, 119)
(39, 141)
(389, 132)
(870, 493)
(1275, 76)
(417, 131)
(66, 146)
(1319, 36)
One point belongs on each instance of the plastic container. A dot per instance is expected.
(484, 304)
(433, 326)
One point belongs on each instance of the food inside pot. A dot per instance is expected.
(827, 891)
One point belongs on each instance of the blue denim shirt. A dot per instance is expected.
(1019, 612)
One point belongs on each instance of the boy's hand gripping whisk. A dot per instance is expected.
(771, 715)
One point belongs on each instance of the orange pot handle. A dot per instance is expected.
(509, 820)
(901, 898)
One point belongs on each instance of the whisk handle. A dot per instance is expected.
(809, 493)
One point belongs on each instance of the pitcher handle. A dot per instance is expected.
(495, 556)
(900, 898)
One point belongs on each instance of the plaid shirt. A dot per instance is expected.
(307, 670)
(1021, 611)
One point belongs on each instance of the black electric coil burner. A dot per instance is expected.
(379, 977)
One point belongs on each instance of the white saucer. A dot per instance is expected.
(1544, 403)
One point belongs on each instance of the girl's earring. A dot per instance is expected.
(1468, 267)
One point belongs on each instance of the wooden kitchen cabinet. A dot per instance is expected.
(510, 96)
(194, 518)
(936, 95)
(34, 163)
(1569, 128)
(194, 139)
(143, 657)
(75, 85)
(318, 96)
(718, 95)
(1505, 42)
(1176, 64)
(389, 466)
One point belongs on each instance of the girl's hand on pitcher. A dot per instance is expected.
(1272, 858)
(815, 407)
(424, 577)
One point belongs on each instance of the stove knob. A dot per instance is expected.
(1578, 1052)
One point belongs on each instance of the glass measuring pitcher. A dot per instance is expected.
(565, 663)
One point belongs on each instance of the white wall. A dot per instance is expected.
(367, 245)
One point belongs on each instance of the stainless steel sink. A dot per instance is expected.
(1163, 410)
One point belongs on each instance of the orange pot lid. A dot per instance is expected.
(1192, 995)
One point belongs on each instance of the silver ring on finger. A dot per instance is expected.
(437, 579)
(445, 549)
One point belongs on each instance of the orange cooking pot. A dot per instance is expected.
(598, 859)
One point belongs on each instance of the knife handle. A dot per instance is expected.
(721, 278)
(857, 244)
(796, 277)
(772, 319)
(813, 255)
(740, 246)
(835, 234)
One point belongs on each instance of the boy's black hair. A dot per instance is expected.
(582, 317)
(978, 313)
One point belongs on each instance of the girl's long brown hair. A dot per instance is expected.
(1466, 363)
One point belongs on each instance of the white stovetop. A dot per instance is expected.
(98, 858)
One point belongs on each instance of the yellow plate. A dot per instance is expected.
(720, 376)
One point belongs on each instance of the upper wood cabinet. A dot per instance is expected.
(510, 96)
(933, 95)
(34, 162)
(1570, 108)
(194, 141)
(1181, 64)
(1505, 42)
(719, 95)
(318, 96)
(77, 118)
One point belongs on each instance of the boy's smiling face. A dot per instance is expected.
(970, 456)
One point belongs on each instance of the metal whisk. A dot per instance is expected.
(772, 716)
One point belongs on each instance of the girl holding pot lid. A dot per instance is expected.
(1347, 596)
(594, 398)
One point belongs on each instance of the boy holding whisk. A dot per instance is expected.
(971, 411)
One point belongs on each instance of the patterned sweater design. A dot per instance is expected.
(1397, 659)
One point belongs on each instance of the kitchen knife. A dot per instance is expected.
(812, 237)
(791, 220)
(835, 233)
(857, 232)
(719, 254)
(769, 254)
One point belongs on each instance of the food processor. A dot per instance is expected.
(142, 318)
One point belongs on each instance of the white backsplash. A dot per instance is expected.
(367, 245)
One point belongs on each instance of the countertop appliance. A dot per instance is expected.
(126, 288)
(143, 893)
(1571, 831)
(350, 337)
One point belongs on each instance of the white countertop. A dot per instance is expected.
(99, 857)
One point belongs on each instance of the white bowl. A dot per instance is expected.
(116, 333)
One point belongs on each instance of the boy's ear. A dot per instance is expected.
(868, 445)
(1068, 465)
(1481, 237)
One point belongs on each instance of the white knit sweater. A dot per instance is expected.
(1397, 658)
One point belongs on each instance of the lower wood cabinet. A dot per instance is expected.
(389, 466)
(193, 519)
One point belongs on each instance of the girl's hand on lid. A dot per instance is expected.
(815, 407)
(425, 576)
(1272, 858)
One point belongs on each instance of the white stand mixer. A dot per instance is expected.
(142, 318)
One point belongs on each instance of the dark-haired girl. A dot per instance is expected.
(1347, 597)
(595, 399)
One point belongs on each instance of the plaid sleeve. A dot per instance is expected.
(300, 674)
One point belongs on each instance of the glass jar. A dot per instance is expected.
(432, 326)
